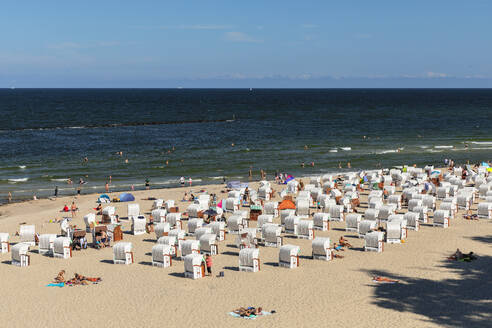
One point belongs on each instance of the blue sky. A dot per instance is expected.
(245, 43)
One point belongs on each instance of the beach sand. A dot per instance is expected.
(432, 291)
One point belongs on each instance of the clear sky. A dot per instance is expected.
(108, 43)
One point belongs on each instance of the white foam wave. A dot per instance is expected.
(333, 150)
(216, 178)
(424, 146)
(433, 151)
(388, 151)
(22, 166)
(481, 142)
(18, 180)
(443, 147)
(59, 180)
(346, 148)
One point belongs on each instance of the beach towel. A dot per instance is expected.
(263, 313)
(61, 284)
(382, 280)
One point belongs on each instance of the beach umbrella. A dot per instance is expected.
(210, 212)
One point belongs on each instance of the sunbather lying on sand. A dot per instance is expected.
(246, 312)
(60, 277)
(459, 256)
(337, 247)
(344, 242)
(470, 217)
(383, 279)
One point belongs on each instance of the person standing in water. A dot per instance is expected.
(56, 191)
(147, 183)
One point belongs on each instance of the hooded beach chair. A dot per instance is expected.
(321, 221)
(133, 209)
(194, 224)
(47, 243)
(194, 211)
(396, 229)
(305, 229)
(374, 241)
(484, 210)
(138, 225)
(442, 192)
(235, 223)
(464, 201)
(190, 246)
(448, 206)
(180, 236)
(249, 260)
(302, 207)
(352, 222)
(161, 229)
(429, 201)
(27, 234)
(232, 204)
(441, 219)
(385, 211)
(412, 219)
(291, 224)
(108, 215)
(271, 208)
(246, 238)
(423, 213)
(218, 228)
(4, 242)
(19, 254)
(162, 255)
(169, 205)
(336, 213)
(289, 256)
(202, 230)
(395, 199)
(264, 193)
(159, 215)
(208, 244)
(366, 226)
(194, 266)
(89, 219)
(174, 220)
(122, 253)
(271, 235)
(321, 249)
(285, 213)
(413, 203)
(157, 204)
(262, 219)
(62, 248)
(371, 214)
(171, 241)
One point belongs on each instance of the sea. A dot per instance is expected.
(214, 135)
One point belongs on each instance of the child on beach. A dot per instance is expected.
(208, 262)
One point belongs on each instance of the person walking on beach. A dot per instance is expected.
(106, 187)
(208, 262)
(10, 197)
(147, 183)
(73, 209)
(190, 181)
(79, 189)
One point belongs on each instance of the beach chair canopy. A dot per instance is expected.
(125, 197)
(287, 205)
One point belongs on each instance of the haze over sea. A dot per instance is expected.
(46, 133)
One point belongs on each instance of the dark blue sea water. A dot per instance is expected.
(46, 133)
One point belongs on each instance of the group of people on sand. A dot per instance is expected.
(459, 256)
(78, 279)
(249, 311)
(73, 209)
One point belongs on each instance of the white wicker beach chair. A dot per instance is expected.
(352, 221)
(302, 206)
(235, 223)
(232, 204)
(286, 213)
(122, 253)
(321, 221)
(159, 215)
(412, 219)
(108, 215)
(271, 235)
(157, 204)
(88, 220)
(47, 243)
(133, 210)
(193, 211)
(206, 229)
(190, 247)
(291, 224)
(4, 242)
(289, 256)
(262, 219)
(194, 224)
(271, 208)
(336, 213)
(423, 213)
(218, 228)
(174, 220)
(385, 211)
(484, 210)
(395, 199)
(171, 241)
(366, 226)
(162, 229)
(162, 255)
(464, 201)
(452, 209)
(19, 254)
(321, 249)
(168, 204)
(441, 219)
(371, 214)
(194, 265)
(62, 248)
(374, 241)
(305, 229)
(180, 236)
(208, 244)
(27, 234)
(138, 225)
(249, 260)
(247, 238)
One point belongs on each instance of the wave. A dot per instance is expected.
(216, 178)
(22, 166)
(424, 146)
(443, 147)
(346, 148)
(115, 125)
(481, 142)
(333, 150)
(388, 151)
(59, 180)
(18, 180)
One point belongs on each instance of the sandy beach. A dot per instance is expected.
(432, 291)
